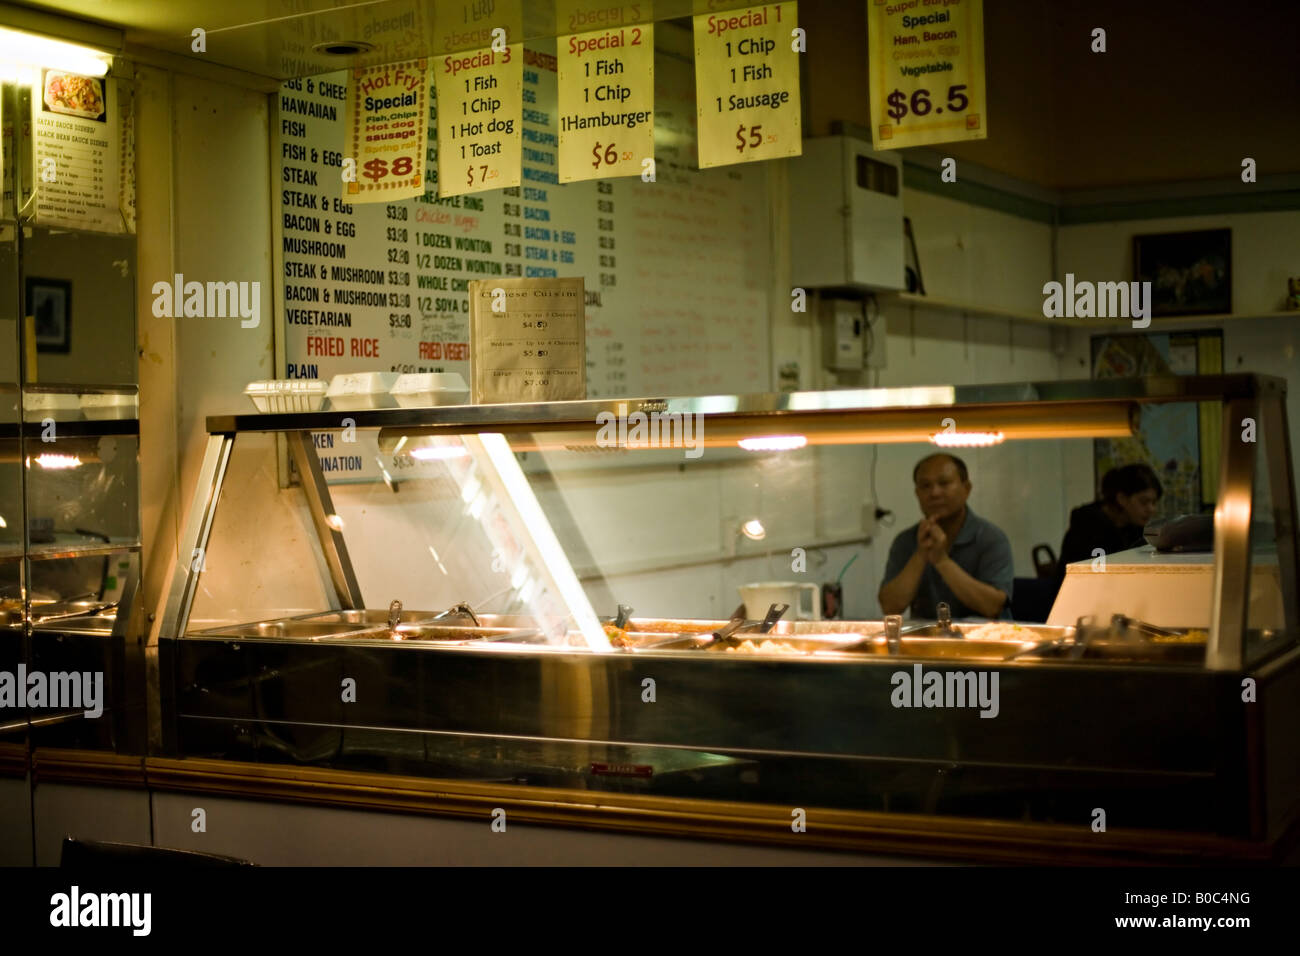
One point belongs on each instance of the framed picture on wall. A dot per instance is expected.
(49, 303)
(1190, 272)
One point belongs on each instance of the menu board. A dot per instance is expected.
(76, 130)
(676, 271)
(527, 339)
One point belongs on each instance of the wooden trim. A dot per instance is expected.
(102, 768)
(13, 759)
(974, 840)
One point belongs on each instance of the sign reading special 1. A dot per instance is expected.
(747, 84)
(926, 67)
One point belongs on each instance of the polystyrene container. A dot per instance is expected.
(287, 395)
(361, 390)
(100, 407)
(64, 406)
(430, 388)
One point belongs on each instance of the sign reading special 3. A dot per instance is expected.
(387, 123)
(926, 66)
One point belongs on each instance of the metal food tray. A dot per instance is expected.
(1033, 632)
(847, 646)
(330, 630)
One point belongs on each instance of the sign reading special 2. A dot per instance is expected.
(926, 71)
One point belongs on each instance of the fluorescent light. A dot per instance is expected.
(753, 530)
(966, 439)
(431, 453)
(53, 461)
(773, 443)
(23, 52)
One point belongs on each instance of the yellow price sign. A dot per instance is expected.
(926, 66)
(606, 97)
(480, 112)
(387, 114)
(747, 84)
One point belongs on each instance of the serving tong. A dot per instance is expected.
(727, 633)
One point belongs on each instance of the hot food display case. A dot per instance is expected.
(444, 593)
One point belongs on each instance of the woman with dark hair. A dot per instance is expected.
(1115, 522)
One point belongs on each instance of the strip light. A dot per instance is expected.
(966, 439)
(773, 443)
(22, 53)
(53, 461)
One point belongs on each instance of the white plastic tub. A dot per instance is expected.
(101, 407)
(287, 395)
(362, 390)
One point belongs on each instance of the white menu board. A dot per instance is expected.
(76, 129)
(676, 270)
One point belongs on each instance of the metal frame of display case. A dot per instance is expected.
(78, 642)
(1205, 755)
(841, 416)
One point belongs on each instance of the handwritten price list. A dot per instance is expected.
(927, 72)
(747, 85)
(480, 101)
(606, 90)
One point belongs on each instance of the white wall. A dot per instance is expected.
(204, 206)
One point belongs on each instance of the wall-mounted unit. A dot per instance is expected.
(846, 216)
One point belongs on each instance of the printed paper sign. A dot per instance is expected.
(747, 84)
(480, 110)
(607, 84)
(387, 123)
(528, 340)
(926, 68)
(75, 152)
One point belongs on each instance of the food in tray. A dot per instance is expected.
(72, 94)
(1194, 636)
(617, 636)
(764, 647)
(999, 631)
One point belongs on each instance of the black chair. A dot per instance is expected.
(90, 854)
(1032, 599)
(1045, 564)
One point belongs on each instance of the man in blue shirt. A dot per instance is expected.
(951, 555)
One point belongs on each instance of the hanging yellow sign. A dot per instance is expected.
(606, 96)
(747, 84)
(480, 108)
(926, 66)
(387, 124)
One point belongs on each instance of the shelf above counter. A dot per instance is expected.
(1102, 324)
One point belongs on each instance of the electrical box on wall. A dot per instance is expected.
(846, 216)
(844, 335)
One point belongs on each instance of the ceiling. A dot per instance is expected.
(1185, 90)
